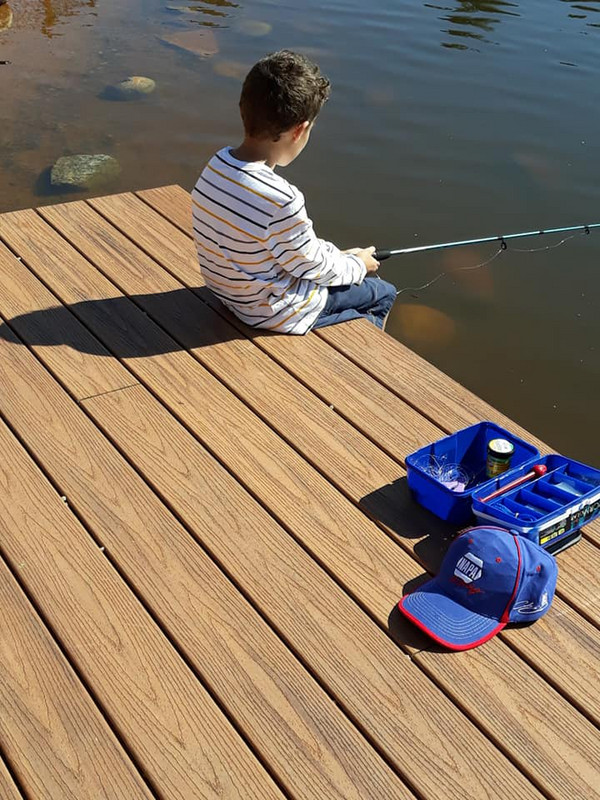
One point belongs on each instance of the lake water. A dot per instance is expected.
(448, 120)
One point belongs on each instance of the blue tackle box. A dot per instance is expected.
(449, 478)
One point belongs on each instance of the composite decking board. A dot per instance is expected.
(172, 202)
(123, 394)
(371, 702)
(8, 788)
(148, 247)
(130, 215)
(304, 736)
(51, 324)
(58, 743)
(172, 727)
(580, 563)
(539, 728)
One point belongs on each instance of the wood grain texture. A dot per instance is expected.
(546, 736)
(35, 312)
(171, 725)
(8, 788)
(159, 235)
(358, 663)
(173, 202)
(217, 342)
(314, 749)
(312, 746)
(566, 649)
(57, 741)
(364, 596)
(310, 743)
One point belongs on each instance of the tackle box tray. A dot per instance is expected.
(549, 509)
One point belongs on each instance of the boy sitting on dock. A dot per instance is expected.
(256, 245)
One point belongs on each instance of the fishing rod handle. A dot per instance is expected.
(381, 255)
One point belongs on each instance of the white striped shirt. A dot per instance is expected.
(257, 249)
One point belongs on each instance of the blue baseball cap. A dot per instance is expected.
(489, 577)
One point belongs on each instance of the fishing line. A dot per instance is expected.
(449, 272)
(499, 252)
(548, 247)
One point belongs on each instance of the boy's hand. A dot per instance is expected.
(366, 256)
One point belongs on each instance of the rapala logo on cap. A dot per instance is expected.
(469, 568)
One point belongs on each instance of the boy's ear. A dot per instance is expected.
(299, 130)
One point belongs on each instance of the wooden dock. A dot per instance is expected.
(204, 532)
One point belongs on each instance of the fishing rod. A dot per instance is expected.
(381, 255)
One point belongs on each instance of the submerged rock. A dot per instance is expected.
(6, 17)
(252, 27)
(84, 171)
(132, 88)
(231, 69)
(201, 42)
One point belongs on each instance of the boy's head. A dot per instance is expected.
(281, 98)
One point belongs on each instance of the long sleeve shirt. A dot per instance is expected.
(257, 248)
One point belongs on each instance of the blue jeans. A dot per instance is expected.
(372, 300)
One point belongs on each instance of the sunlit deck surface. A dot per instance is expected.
(204, 532)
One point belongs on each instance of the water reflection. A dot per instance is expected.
(44, 14)
(581, 10)
(424, 325)
(207, 13)
(472, 19)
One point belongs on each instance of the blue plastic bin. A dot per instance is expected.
(549, 509)
(467, 448)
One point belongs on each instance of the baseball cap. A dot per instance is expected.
(489, 577)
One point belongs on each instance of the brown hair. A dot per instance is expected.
(282, 90)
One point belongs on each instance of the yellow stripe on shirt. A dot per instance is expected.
(247, 188)
(226, 222)
(293, 314)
